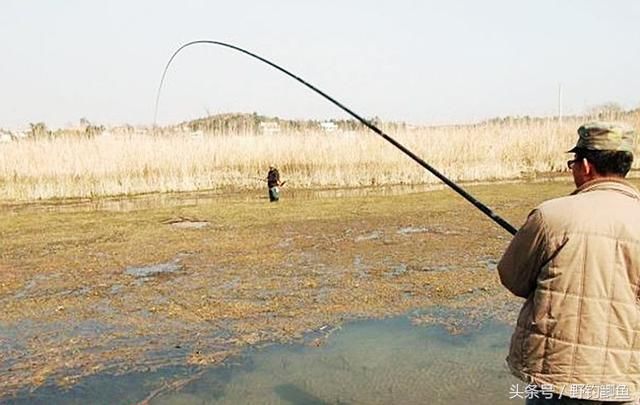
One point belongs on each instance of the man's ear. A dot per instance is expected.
(589, 168)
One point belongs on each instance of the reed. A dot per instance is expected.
(60, 167)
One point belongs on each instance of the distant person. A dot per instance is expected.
(576, 261)
(273, 183)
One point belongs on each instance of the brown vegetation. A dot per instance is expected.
(200, 155)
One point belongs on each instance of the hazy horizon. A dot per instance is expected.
(425, 63)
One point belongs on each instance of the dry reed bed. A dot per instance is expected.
(131, 164)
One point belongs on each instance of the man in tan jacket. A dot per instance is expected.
(576, 261)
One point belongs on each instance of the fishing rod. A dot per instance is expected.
(265, 180)
(486, 210)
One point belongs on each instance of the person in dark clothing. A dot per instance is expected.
(273, 184)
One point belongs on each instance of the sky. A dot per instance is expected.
(422, 62)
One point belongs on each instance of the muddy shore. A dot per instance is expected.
(96, 286)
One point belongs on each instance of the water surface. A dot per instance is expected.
(364, 362)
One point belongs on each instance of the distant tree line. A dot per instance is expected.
(606, 111)
(253, 123)
(239, 123)
(85, 128)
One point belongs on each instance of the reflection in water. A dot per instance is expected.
(166, 200)
(191, 198)
(366, 362)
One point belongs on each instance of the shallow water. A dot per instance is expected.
(164, 200)
(154, 269)
(365, 362)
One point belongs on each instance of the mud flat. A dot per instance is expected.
(114, 287)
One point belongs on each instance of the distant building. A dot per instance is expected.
(197, 134)
(328, 126)
(269, 127)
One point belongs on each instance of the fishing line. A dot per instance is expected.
(486, 210)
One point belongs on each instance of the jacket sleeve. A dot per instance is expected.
(520, 265)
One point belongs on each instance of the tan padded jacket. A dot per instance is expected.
(577, 262)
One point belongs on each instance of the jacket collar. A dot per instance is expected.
(609, 183)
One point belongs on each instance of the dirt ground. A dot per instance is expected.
(136, 284)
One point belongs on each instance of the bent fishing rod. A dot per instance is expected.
(486, 210)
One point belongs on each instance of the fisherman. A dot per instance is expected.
(273, 183)
(576, 261)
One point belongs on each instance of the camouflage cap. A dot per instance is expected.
(605, 136)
